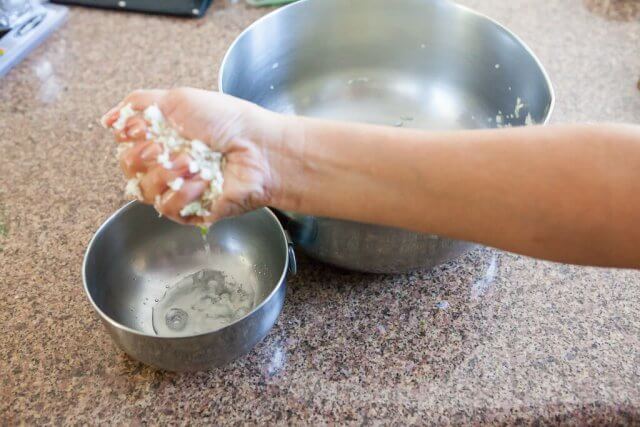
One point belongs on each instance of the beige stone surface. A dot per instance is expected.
(519, 340)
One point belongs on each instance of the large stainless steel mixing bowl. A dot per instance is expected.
(135, 255)
(416, 63)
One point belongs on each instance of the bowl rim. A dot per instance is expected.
(114, 216)
(451, 3)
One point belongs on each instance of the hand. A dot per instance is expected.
(243, 132)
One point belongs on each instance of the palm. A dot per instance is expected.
(246, 175)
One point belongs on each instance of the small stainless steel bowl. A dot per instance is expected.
(415, 63)
(135, 255)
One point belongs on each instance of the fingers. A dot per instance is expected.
(111, 116)
(166, 183)
(172, 202)
(134, 130)
(139, 100)
(150, 154)
(158, 178)
(131, 161)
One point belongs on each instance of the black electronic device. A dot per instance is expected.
(194, 8)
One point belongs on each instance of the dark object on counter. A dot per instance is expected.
(268, 3)
(195, 8)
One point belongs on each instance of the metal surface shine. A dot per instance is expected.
(416, 63)
(136, 255)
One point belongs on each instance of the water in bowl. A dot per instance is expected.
(201, 302)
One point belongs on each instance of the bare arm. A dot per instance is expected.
(567, 193)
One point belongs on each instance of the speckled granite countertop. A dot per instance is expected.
(519, 340)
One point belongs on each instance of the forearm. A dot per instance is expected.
(567, 193)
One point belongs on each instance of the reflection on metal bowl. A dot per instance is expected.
(136, 258)
(413, 63)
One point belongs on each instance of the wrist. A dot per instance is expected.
(283, 147)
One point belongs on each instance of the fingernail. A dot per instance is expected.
(150, 152)
(105, 119)
(109, 116)
(156, 204)
(180, 161)
(135, 131)
(122, 147)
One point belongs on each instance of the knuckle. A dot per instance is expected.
(136, 94)
(165, 209)
(253, 200)
(179, 93)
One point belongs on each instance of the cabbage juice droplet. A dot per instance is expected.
(204, 231)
